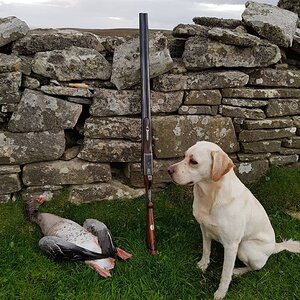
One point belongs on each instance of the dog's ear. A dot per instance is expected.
(221, 164)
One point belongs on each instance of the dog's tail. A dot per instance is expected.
(290, 245)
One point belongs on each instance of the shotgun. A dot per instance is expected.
(147, 155)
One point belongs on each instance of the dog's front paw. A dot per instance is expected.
(219, 295)
(203, 264)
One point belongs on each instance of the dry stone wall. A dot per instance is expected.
(70, 102)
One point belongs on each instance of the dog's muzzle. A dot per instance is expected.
(171, 171)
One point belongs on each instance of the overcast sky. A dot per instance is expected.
(163, 14)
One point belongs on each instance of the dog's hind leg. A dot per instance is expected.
(240, 271)
(254, 255)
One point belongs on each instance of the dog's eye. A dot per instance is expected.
(193, 162)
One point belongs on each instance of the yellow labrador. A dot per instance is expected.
(227, 212)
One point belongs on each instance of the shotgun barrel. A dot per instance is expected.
(147, 155)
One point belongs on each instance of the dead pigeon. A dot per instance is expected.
(66, 240)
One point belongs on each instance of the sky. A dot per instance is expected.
(162, 14)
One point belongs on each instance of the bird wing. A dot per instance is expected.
(100, 230)
(59, 249)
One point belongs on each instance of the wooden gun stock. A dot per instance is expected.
(150, 228)
(147, 156)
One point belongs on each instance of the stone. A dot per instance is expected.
(296, 41)
(71, 153)
(203, 97)
(23, 148)
(240, 112)
(126, 61)
(80, 100)
(283, 107)
(44, 188)
(9, 63)
(128, 102)
(26, 64)
(233, 157)
(275, 24)
(293, 142)
(178, 67)
(275, 77)
(102, 191)
(162, 102)
(198, 110)
(9, 107)
(48, 113)
(9, 87)
(98, 150)
(252, 157)
(217, 22)
(200, 81)
(231, 37)
(3, 118)
(292, 5)
(112, 103)
(202, 53)
(289, 151)
(280, 160)
(66, 91)
(246, 102)
(113, 128)
(9, 169)
(268, 123)
(237, 123)
(41, 40)
(45, 193)
(296, 120)
(9, 183)
(74, 63)
(188, 30)
(133, 172)
(261, 147)
(30, 83)
(240, 29)
(5, 198)
(110, 43)
(251, 171)
(75, 171)
(268, 134)
(7, 99)
(173, 135)
(260, 93)
(11, 29)
(100, 84)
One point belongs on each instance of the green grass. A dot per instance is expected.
(172, 274)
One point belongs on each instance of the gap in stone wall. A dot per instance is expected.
(79, 127)
(117, 171)
(73, 138)
(6, 49)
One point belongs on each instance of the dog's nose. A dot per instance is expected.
(171, 171)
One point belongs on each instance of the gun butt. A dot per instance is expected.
(150, 229)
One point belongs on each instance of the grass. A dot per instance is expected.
(122, 32)
(172, 274)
